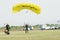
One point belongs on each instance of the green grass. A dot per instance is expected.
(32, 35)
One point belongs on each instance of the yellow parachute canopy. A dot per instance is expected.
(29, 6)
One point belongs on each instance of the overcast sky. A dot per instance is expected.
(50, 12)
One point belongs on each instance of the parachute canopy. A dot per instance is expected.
(29, 6)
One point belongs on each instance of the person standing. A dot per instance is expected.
(7, 29)
(26, 28)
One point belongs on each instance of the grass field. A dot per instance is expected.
(32, 35)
